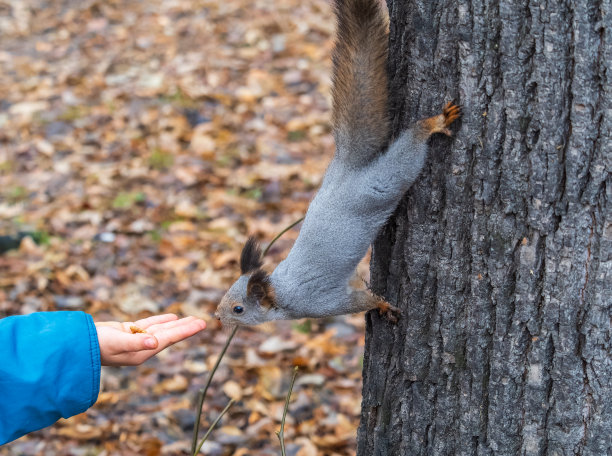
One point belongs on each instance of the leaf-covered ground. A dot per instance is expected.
(141, 142)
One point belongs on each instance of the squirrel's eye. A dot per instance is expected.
(238, 309)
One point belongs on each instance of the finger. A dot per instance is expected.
(121, 326)
(170, 324)
(188, 328)
(120, 342)
(155, 320)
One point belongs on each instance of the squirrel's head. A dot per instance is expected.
(251, 299)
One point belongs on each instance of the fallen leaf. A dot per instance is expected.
(232, 390)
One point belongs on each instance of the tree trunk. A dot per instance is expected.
(500, 256)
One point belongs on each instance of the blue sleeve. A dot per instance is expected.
(49, 368)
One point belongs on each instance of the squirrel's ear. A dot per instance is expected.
(260, 288)
(250, 258)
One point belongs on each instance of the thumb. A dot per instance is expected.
(124, 342)
(141, 342)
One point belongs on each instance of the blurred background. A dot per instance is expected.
(141, 142)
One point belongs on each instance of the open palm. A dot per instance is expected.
(120, 346)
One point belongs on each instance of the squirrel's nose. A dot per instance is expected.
(217, 316)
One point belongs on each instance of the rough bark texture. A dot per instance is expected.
(500, 256)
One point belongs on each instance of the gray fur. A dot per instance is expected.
(342, 221)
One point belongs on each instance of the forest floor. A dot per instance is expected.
(142, 142)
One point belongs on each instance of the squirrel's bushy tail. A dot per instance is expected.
(360, 116)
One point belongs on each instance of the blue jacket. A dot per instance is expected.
(49, 368)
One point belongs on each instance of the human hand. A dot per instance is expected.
(119, 346)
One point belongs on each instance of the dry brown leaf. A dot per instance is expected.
(232, 390)
(307, 448)
(270, 383)
(82, 431)
(109, 398)
(177, 227)
(176, 264)
(332, 441)
(152, 446)
(327, 344)
(176, 384)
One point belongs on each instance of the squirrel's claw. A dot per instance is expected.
(391, 312)
(441, 122)
(451, 112)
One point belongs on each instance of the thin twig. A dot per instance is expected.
(280, 234)
(281, 433)
(202, 394)
(212, 426)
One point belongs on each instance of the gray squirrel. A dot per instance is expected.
(360, 190)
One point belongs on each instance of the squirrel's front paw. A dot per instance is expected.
(391, 312)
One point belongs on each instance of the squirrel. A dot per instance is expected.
(360, 190)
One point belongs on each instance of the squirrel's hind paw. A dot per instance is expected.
(451, 112)
(391, 312)
(441, 122)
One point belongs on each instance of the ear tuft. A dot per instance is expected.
(250, 258)
(260, 288)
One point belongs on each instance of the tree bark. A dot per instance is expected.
(500, 255)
